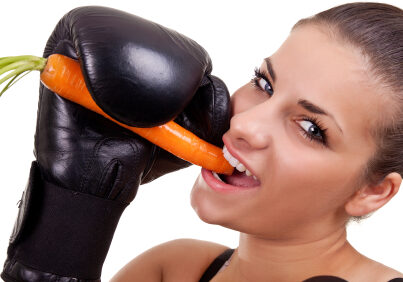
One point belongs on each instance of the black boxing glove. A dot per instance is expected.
(87, 168)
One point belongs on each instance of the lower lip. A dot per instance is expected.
(220, 186)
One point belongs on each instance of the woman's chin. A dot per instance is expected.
(204, 204)
(212, 207)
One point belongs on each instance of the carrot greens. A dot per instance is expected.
(14, 68)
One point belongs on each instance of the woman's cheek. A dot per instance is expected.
(314, 178)
(301, 168)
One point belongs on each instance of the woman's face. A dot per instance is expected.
(306, 144)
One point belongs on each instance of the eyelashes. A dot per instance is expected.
(310, 127)
(313, 130)
(262, 82)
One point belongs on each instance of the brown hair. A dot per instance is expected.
(376, 29)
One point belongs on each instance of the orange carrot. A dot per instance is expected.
(63, 76)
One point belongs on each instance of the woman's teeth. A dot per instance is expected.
(235, 163)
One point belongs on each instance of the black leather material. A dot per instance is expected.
(85, 162)
(207, 116)
(162, 68)
(24, 207)
(25, 273)
(80, 150)
(67, 233)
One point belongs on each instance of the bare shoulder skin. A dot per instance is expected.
(375, 271)
(177, 260)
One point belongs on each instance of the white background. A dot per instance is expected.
(238, 35)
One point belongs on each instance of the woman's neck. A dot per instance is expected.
(258, 259)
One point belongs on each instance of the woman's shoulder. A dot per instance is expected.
(193, 255)
(381, 272)
(390, 274)
(166, 262)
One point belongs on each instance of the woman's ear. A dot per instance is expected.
(370, 198)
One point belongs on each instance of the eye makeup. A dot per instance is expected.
(313, 130)
(310, 126)
(262, 82)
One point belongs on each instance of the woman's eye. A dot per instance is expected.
(265, 85)
(313, 131)
(261, 81)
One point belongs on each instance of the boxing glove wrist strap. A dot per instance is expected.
(65, 232)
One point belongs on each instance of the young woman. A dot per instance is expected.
(316, 137)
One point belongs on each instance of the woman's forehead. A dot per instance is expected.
(313, 52)
(314, 66)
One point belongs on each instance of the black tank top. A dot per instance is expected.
(216, 265)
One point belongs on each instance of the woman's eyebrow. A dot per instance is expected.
(311, 107)
(316, 110)
(270, 69)
(302, 102)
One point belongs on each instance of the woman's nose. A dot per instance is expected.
(248, 129)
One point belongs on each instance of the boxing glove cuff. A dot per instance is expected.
(61, 231)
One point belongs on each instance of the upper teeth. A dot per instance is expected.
(235, 163)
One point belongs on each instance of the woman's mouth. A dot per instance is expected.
(241, 179)
(235, 163)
